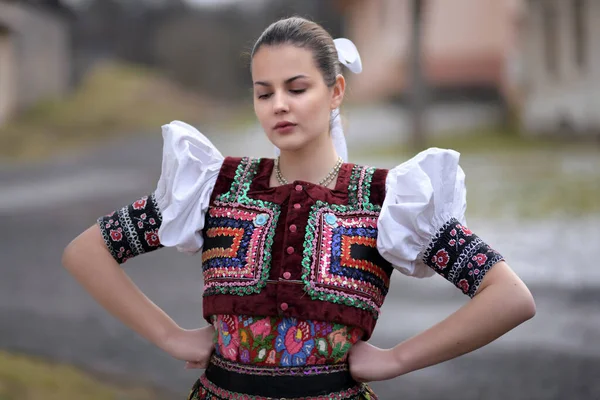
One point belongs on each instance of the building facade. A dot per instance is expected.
(35, 57)
(561, 64)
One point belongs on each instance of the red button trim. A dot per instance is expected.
(298, 188)
(297, 206)
(293, 228)
(283, 306)
(290, 250)
(287, 275)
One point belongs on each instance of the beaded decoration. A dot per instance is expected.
(341, 263)
(206, 390)
(238, 237)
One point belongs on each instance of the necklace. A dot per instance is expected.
(324, 182)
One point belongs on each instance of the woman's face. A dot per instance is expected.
(291, 100)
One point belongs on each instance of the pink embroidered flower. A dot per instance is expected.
(261, 328)
(452, 242)
(152, 238)
(461, 241)
(141, 203)
(480, 259)
(140, 224)
(464, 285)
(116, 235)
(272, 357)
(441, 259)
(143, 216)
(453, 232)
(466, 231)
(152, 221)
(228, 340)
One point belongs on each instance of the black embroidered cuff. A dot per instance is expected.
(460, 256)
(132, 230)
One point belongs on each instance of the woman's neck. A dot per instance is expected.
(310, 164)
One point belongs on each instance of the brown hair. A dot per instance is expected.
(307, 34)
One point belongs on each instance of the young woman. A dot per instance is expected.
(297, 251)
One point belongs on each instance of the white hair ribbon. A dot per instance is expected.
(347, 55)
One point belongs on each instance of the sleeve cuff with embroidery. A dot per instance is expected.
(132, 230)
(460, 256)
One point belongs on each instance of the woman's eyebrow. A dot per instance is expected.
(261, 83)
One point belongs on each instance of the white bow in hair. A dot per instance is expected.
(348, 54)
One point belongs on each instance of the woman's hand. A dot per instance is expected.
(195, 346)
(369, 363)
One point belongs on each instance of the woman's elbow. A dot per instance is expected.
(69, 255)
(79, 247)
(526, 304)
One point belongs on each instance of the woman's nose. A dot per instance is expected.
(280, 104)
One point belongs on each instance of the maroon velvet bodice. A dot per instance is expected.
(297, 250)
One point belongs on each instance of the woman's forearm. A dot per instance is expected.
(88, 260)
(497, 308)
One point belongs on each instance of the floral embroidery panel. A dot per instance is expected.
(282, 341)
(132, 230)
(460, 256)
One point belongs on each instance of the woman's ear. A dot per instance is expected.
(339, 88)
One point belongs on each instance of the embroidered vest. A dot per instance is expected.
(298, 250)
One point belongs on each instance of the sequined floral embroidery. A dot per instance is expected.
(460, 256)
(238, 238)
(341, 263)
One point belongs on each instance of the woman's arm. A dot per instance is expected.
(89, 261)
(501, 303)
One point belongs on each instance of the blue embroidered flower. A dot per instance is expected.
(295, 339)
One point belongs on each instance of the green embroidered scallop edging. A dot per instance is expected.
(366, 191)
(238, 193)
(353, 200)
(309, 239)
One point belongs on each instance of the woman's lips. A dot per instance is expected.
(285, 127)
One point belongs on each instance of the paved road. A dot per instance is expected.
(43, 311)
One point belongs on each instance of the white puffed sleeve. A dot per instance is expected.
(422, 194)
(190, 167)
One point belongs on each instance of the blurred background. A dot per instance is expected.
(512, 84)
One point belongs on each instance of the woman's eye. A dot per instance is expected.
(264, 96)
(297, 91)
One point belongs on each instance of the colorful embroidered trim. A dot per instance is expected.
(206, 390)
(238, 238)
(234, 255)
(341, 263)
(460, 256)
(278, 371)
(282, 341)
(359, 188)
(132, 230)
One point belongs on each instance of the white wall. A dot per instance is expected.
(570, 94)
(41, 48)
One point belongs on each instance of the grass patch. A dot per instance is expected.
(32, 379)
(113, 99)
(525, 177)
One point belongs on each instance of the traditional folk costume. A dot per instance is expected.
(294, 275)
